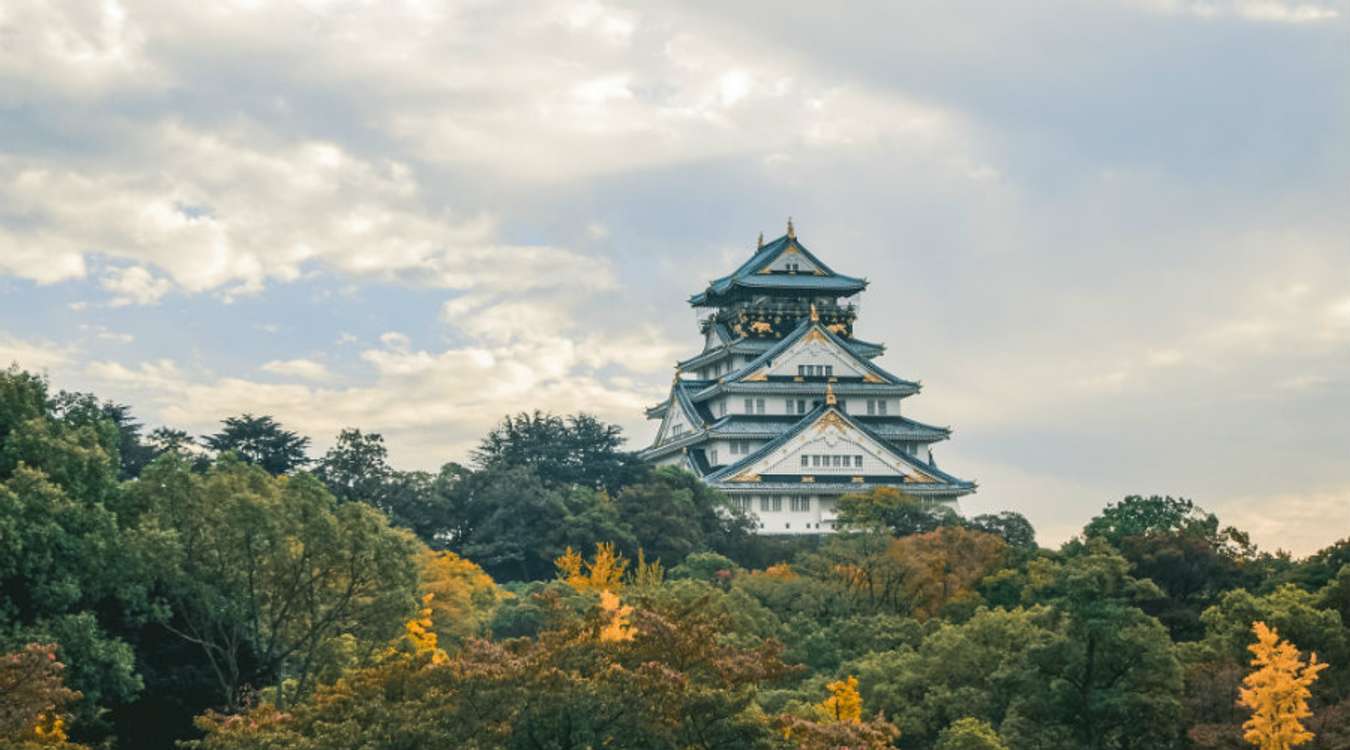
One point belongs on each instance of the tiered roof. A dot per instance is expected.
(754, 276)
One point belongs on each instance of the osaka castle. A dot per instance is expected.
(785, 410)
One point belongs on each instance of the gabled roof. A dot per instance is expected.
(748, 345)
(751, 275)
(689, 386)
(725, 473)
(809, 326)
(886, 428)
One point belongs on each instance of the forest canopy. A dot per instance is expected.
(232, 591)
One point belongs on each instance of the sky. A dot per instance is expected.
(1110, 238)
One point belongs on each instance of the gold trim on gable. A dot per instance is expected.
(872, 378)
(921, 478)
(808, 480)
(759, 377)
(746, 476)
(813, 335)
(831, 419)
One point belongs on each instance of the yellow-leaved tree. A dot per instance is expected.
(844, 703)
(618, 626)
(465, 598)
(1277, 692)
(603, 573)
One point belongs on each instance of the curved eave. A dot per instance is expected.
(928, 468)
(808, 389)
(923, 489)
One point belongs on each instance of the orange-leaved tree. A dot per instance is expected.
(33, 698)
(1277, 692)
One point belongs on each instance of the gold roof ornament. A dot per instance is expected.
(815, 316)
(830, 400)
(791, 232)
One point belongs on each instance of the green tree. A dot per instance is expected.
(672, 514)
(1015, 529)
(900, 514)
(356, 468)
(1108, 679)
(67, 572)
(970, 734)
(575, 450)
(514, 524)
(273, 571)
(261, 441)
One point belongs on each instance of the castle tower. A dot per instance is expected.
(784, 410)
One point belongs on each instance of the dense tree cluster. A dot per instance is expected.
(232, 591)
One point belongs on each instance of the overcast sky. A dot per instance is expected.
(1111, 238)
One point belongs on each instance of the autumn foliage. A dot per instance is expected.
(1277, 692)
(34, 699)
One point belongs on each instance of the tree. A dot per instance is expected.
(133, 453)
(1137, 515)
(1277, 692)
(1108, 679)
(273, 570)
(514, 525)
(978, 668)
(940, 567)
(667, 683)
(969, 734)
(1180, 547)
(673, 514)
(1015, 529)
(844, 703)
(464, 598)
(68, 572)
(261, 441)
(576, 450)
(356, 468)
(33, 699)
(892, 510)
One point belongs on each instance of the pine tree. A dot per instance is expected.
(1277, 692)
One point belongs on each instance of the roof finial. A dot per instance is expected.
(830, 400)
(792, 232)
(815, 316)
(759, 245)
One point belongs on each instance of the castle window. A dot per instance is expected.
(815, 461)
(881, 406)
(857, 462)
(801, 505)
(806, 460)
(829, 371)
(712, 458)
(759, 406)
(837, 461)
(749, 406)
(722, 408)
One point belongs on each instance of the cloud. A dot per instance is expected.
(304, 369)
(32, 355)
(220, 213)
(1268, 11)
(134, 286)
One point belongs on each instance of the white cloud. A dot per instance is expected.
(135, 286)
(220, 213)
(32, 355)
(1269, 11)
(304, 369)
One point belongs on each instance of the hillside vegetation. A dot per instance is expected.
(232, 592)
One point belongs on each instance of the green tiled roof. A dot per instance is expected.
(748, 276)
